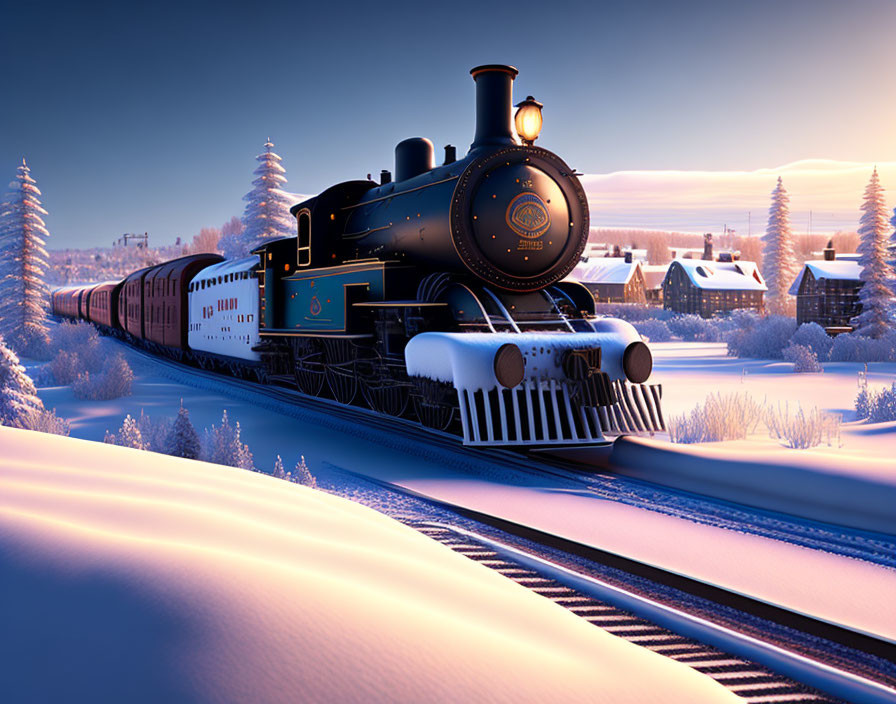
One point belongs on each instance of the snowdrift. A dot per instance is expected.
(130, 576)
(852, 491)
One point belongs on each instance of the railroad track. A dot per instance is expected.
(498, 464)
(749, 680)
(799, 661)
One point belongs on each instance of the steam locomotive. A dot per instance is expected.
(439, 296)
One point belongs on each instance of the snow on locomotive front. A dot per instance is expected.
(444, 289)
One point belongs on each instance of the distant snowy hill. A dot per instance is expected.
(704, 201)
(133, 577)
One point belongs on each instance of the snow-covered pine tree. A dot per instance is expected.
(224, 446)
(875, 295)
(779, 263)
(267, 207)
(279, 472)
(18, 397)
(23, 261)
(183, 440)
(129, 434)
(891, 252)
(303, 475)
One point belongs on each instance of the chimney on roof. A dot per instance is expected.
(830, 254)
(628, 257)
(707, 247)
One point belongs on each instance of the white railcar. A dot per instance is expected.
(224, 309)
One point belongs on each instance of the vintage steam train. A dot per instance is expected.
(439, 296)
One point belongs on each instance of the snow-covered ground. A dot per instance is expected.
(691, 371)
(840, 589)
(131, 576)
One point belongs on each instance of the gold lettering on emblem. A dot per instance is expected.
(529, 245)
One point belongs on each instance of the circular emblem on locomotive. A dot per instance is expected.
(315, 306)
(528, 216)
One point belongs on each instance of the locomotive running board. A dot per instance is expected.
(542, 413)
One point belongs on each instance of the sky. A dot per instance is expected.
(147, 117)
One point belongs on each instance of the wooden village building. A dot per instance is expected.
(705, 288)
(612, 279)
(654, 274)
(827, 292)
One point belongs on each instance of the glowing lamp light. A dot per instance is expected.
(528, 120)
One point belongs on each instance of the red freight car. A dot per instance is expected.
(130, 303)
(165, 309)
(104, 303)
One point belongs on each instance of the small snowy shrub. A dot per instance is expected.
(689, 328)
(46, 421)
(876, 406)
(114, 382)
(78, 335)
(183, 440)
(803, 359)
(883, 407)
(222, 445)
(632, 312)
(765, 340)
(729, 417)
(34, 344)
(803, 430)
(850, 347)
(813, 336)
(653, 330)
(65, 367)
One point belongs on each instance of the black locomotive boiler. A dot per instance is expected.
(440, 296)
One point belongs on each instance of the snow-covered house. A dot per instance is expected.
(612, 279)
(705, 287)
(827, 292)
(654, 274)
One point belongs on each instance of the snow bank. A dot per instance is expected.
(812, 485)
(129, 576)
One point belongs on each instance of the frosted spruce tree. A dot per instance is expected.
(267, 207)
(129, 434)
(19, 403)
(779, 264)
(875, 295)
(183, 441)
(223, 445)
(891, 254)
(23, 262)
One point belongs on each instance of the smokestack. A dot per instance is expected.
(707, 247)
(628, 257)
(494, 98)
(830, 254)
(450, 154)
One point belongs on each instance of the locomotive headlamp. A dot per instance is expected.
(528, 120)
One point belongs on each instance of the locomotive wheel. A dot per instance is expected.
(340, 370)
(382, 391)
(433, 403)
(308, 358)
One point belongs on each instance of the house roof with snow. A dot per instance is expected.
(654, 275)
(838, 269)
(605, 270)
(728, 276)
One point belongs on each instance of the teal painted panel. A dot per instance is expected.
(316, 303)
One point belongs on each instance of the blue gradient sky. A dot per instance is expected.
(141, 118)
